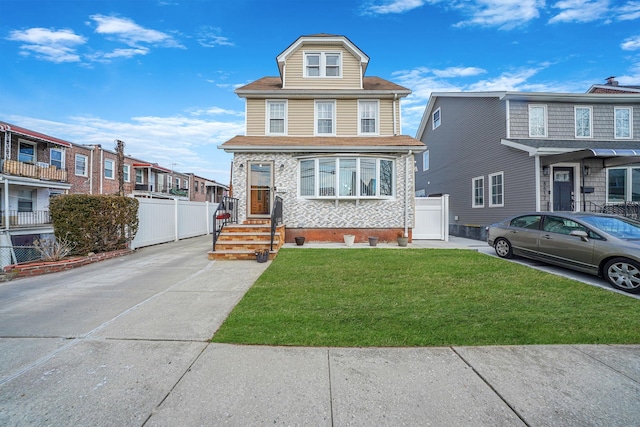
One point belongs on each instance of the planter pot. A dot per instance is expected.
(373, 241)
(349, 239)
(299, 241)
(262, 256)
(403, 241)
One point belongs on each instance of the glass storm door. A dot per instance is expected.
(260, 186)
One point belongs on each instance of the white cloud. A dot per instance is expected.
(394, 6)
(459, 72)
(181, 142)
(504, 14)
(628, 12)
(210, 37)
(126, 53)
(580, 11)
(130, 33)
(511, 81)
(48, 45)
(632, 43)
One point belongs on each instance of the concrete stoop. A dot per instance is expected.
(242, 241)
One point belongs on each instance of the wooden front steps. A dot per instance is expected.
(241, 241)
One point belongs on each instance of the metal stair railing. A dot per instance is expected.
(226, 213)
(276, 217)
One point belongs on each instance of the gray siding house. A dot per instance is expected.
(499, 154)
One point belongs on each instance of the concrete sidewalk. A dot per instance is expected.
(146, 360)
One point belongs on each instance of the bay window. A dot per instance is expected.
(346, 177)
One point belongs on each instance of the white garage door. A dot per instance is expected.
(432, 218)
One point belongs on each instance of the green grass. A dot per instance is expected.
(422, 297)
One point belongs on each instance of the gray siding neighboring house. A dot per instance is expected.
(494, 159)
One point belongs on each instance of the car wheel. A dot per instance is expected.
(503, 248)
(623, 274)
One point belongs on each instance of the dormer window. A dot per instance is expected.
(322, 64)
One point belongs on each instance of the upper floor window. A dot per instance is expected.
(276, 117)
(368, 112)
(56, 158)
(436, 118)
(353, 177)
(425, 160)
(537, 120)
(125, 173)
(108, 169)
(81, 165)
(623, 122)
(27, 152)
(583, 122)
(478, 192)
(496, 189)
(323, 64)
(325, 117)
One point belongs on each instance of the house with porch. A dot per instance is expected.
(325, 140)
(499, 154)
(32, 170)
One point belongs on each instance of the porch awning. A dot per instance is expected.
(152, 166)
(550, 151)
(6, 127)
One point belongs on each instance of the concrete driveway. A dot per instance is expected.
(125, 342)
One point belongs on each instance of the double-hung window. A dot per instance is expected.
(125, 173)
(496, 189)
(325, 113)
(139, 176)
(368, 112)
(583, 122)
(56, 158)
(425, 160)
(323, 64)
(623, 121)
(537, 120)
(27, 152)
(478, 192)
(346, 177)
(108, 169)
(276, 117)
(25, 200)
(81, 165)
(436, 119)
(177, 183)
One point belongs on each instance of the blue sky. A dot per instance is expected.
(160, 74)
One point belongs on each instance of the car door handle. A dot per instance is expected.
(547, 236)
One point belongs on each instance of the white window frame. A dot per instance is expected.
(628, 183)
(322, 64)
(112, 169)
(169, 182)
(492, 194)
(57, 150)
(436, 121)
(575, 116)
(336, 196)
(140, 173)
(35, 151)
(333, 118)
(177, 183)
(376, 118)
(425, 160)
(615, 122)
(185, 182)
(126, 170)
(269, 103)
(474, 187)
(84, 171)
(544, 119)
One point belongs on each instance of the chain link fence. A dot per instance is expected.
(18, 254)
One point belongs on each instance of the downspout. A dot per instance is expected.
(537, 181)
(395, 124)
(406, 193)
(101, 165)
(6, 203)
(91, 171)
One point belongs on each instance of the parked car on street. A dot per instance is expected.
(598, 244)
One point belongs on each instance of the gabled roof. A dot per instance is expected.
(324, 40)
(323, 144)
(4, 127)
(608, 88)
(269, 86)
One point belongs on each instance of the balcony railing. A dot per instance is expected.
(38, 171)
(25, 219)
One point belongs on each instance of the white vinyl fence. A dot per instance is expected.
(432, 218)
(162, 221)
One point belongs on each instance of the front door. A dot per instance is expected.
(563, 189)
(260, 186)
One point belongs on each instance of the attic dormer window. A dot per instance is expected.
(323, 64)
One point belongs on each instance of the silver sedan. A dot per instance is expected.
(598, 244)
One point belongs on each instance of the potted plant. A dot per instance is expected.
(402, 239)
(299, 240)
(262, 255)
(373, 240)
(349, 239)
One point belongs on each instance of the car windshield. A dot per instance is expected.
(617, 227)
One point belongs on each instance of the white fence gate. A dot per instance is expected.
(162, 221)
(432, 218)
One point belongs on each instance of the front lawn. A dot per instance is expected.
(422, 297)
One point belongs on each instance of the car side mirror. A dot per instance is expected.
(581, 234)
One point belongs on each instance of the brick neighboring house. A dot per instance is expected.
(205, 190)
